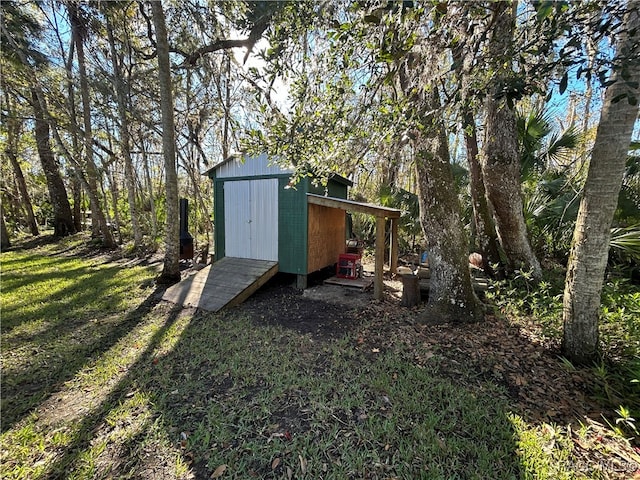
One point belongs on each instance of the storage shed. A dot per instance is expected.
(259, 215)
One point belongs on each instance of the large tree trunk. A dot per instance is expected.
(98, 220)
(121, 96)
(590, 245)
(501, 159)
(63, 220)
(171, 269)
(451, 295)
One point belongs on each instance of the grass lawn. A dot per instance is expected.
(101, 379)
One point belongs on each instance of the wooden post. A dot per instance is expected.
(410, 290)
(378, 286)
(393, 252)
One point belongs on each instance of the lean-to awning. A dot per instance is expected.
(381, 213)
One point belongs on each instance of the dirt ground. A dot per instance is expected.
(514, 356)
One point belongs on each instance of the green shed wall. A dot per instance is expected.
(292, 221)
(292, 228)
(218, 218)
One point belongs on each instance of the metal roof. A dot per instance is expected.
(352, 206)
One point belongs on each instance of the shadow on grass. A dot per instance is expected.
(363, 394)
(70, 338)
(90, 424)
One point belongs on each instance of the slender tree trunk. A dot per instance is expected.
(451, 295)
(590, 245)
(98, 220)
(76, 190)
(486, 237)
(5, 241)
(24, 194)
(76, 181)
(13, 132)
(63, 220)
(501, 160)
(113, 189)
(227, 108)
(149, 184)
(121, 96)
(171, 269)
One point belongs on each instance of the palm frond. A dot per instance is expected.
(560, 146)
(626, 240)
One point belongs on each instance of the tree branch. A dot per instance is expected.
(223, 44)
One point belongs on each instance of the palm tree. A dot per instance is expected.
(591, 238)
(549, 190)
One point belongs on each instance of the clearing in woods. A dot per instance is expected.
(102, 379)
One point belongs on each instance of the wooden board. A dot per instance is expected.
(361, 283)
(327, 236)
(479, 284)
(226, 283)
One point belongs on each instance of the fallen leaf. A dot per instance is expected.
(275, 463)
(303, 464)
(218, 472)
(375, 350)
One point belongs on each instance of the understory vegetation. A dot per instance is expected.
(101, 379)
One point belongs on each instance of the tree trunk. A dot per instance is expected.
(501, 159)
(486, 237)
(149, 184)
(451, 295)
(13, 132)
(590, 245)
(113, 189)
(24, 194)
(63, 220)
(76, 189)
(76, 179)
(486, 240)
(5, 242)
(227, 107)
(171, 269)
(121, 96)
(98, 220)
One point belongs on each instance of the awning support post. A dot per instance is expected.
(378, 286)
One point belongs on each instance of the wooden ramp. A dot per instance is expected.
(225, 283)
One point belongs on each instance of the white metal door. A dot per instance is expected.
(251, 219)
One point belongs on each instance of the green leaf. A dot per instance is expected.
(617, 98)
(544, 10)
(563, 83)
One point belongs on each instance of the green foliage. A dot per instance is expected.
(409, 229)
(616, 379)
(552, 191)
